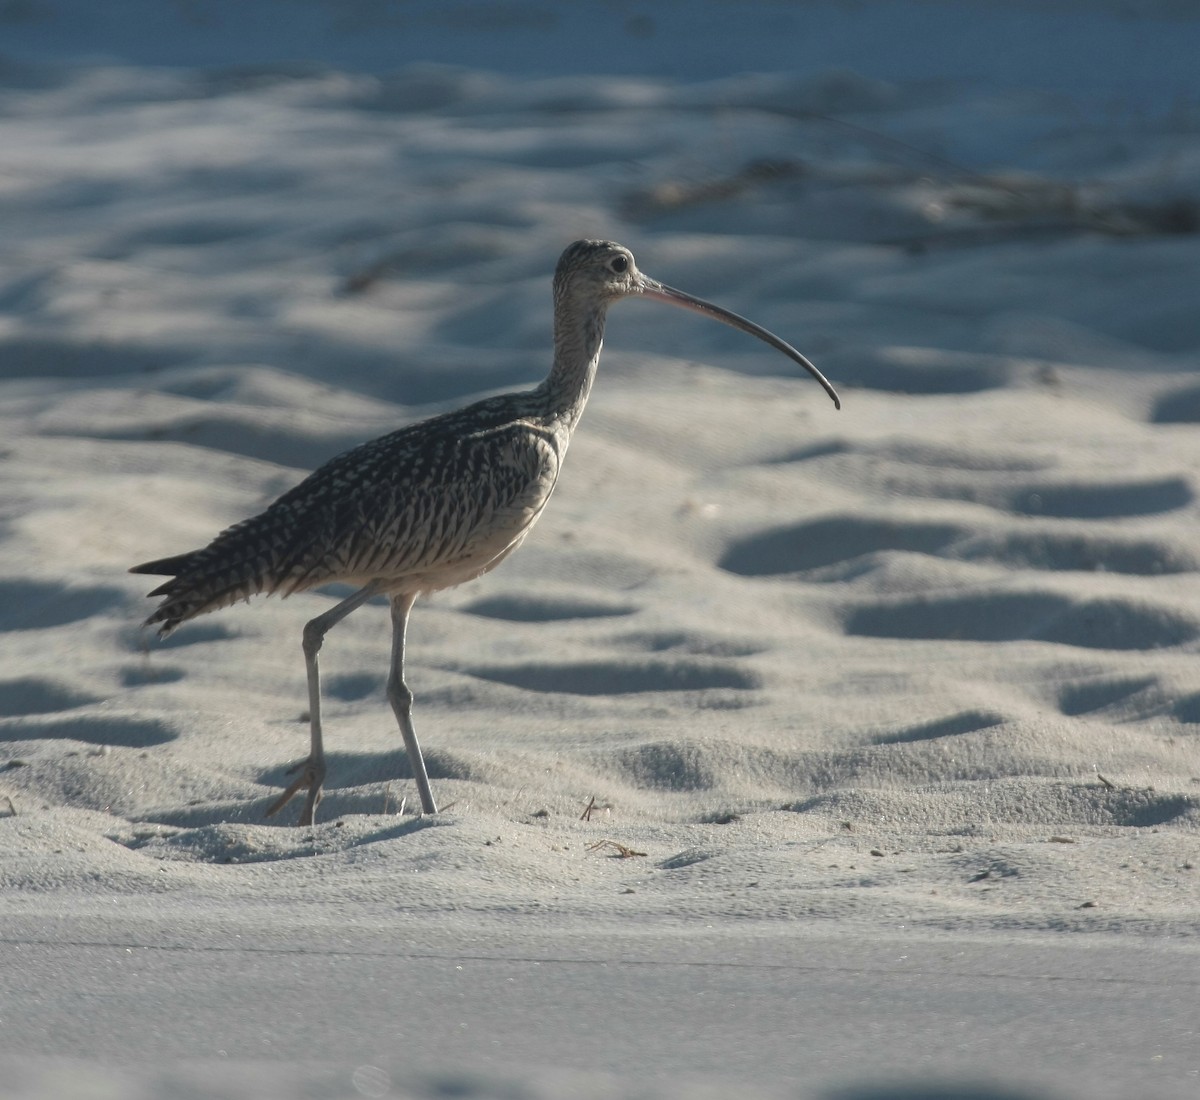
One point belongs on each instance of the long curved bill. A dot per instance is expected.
(662, 293)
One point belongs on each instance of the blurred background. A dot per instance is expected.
(1135, 55)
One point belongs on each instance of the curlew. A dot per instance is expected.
(427, 507)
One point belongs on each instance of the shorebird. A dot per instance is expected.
(427, 507)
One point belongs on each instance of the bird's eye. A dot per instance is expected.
(618, 264)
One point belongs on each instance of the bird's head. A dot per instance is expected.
(591, 275)
(597, 272)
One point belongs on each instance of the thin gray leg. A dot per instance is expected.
(401, 699)
(312, 771)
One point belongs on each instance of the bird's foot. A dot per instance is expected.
(311, 777)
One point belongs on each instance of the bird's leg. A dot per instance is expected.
(401, 699)
(312, 771)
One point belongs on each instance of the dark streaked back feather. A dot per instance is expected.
(405, 505)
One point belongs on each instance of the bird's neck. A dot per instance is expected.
(578, 337)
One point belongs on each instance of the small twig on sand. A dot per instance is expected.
(620, 851)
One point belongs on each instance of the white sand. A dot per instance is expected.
(922, 672)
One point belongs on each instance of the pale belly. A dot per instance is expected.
(481, 554)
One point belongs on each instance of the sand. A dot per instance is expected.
(919, 675)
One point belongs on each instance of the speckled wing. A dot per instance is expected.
(423, 508)
(430, 517)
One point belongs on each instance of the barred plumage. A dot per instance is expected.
(426, 507)
(409, 509)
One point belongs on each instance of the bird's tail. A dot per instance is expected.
(201, 581)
